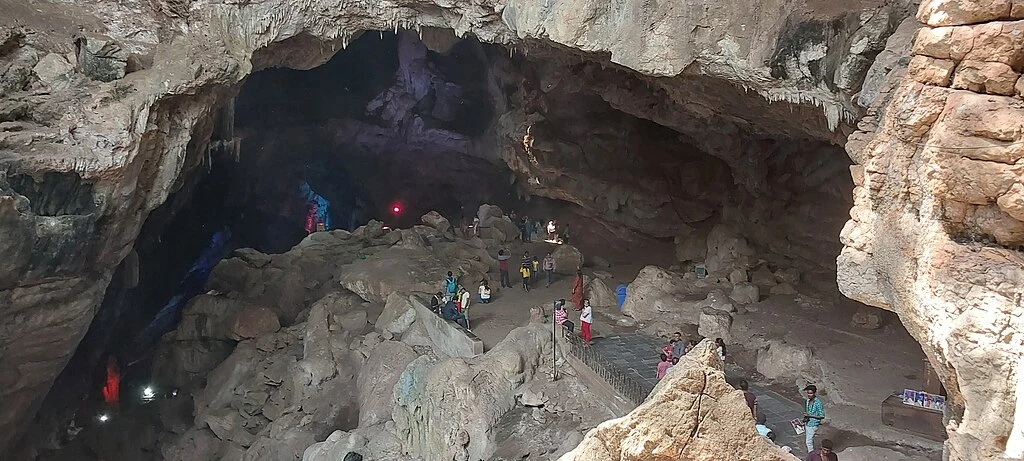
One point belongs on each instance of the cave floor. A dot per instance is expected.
(860, 367)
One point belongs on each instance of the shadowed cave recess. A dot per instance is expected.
(397, 125)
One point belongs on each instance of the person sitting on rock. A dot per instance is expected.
(525, 272)
(484, 293)
(562, 318)
(763, 429)
(436, 302)
(551, 231)
(663, 366)
(720, 348)
(451, 285)
(451, 312)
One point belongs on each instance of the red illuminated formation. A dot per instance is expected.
(396, 208)
(112, 385)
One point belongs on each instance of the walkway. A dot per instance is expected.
(637, 356)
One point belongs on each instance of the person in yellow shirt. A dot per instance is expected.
(525, 271)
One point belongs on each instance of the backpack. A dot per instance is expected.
(450, 284)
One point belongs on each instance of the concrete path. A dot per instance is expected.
(637, 355)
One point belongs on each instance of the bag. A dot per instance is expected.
(450, 285)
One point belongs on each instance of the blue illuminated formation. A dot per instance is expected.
(318, 207)
(191, 285)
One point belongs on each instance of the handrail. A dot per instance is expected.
(625, 382)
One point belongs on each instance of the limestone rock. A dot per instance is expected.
(101, 58)
(393, 270)
(727, 249)
(397, 316)
(693, 398)
(717, 299)
(439, 223)
(738, 276)
(954, 12)
(782, 360)
(377, 381)
(353, 321)
(54, 71)
(787, 275)
(252, 322)
(337, 445)
(656, 293)
(568, 259)
(931, 71)
(715, 324)
(598, 261)
(745, 293)
(691, 247)
(486, 212)
(763, 277)
(985, 77)
(600, 295)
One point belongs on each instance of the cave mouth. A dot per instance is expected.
(393, 127)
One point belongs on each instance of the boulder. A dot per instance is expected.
(703, 416)
(866, 319)
(659, 294)
(252, 322)
(486, 212)
(192, 445)
(101, 58)
(787, 275)
(397, 316)
(568, 259)
(598, 261)
(499, 228)
(745, 293)
(783, 289)
(354, 320)
(226, 424)
(54, 71)
(337, 445)
(392, 270)
(600, 295)
(377, 380)
(782, 360)
(763, 277)
(715, 324)
(439, 223)
(738, 276)
(726, 249)
(717, 299)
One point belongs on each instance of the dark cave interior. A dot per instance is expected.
(389, 123)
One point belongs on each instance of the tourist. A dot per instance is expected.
(762, 429)
(551, 231)
(549, 268)
(536, 265)
(464, 227)
(562, 317)
(689, 346)
(435, 302)
(720, 348)
(463, 299)
(824, 453)
(526, 258)
(524, 227)
(524, 271)
(678, 345)
(565, 234)
(586, 318)
(749, 397)
(450, 285)
(663, 366)
(537, 228)
(675, 360)
(484, 293)
(814, 413)
(577, 291)
(451, 312)
(667, 350)
(476, 226)
(503, 256)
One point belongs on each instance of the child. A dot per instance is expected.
(586, 318)
(525, 272)
(720, 347)
(536, 265)
(663, 366)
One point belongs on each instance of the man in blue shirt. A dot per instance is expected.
(814, 413)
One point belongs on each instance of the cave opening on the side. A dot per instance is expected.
(689, 173)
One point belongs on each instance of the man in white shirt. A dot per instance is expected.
(586, 318)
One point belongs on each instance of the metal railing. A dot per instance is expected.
(625, 382)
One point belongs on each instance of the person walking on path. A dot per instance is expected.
(824, 453)
(525, 272)
(814, 413)
(577, 291)
(549, 268)
(503, 258)
(749, 397)
(586, 318)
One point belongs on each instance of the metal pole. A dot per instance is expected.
(554, 343)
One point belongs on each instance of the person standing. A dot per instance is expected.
(464, 299)
(549, 268)
(720, 348)
(450, 285)
(663, 366)
(749, 397)
(476, 226)
(525, 272)
(503, 258)
(577, 291)
(678, 345)
(814, 413)
(824, 453)
(586, 318)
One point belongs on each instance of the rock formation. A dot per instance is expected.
(935, 232)
(691, 414)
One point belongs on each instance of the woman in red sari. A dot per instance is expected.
(577, 291)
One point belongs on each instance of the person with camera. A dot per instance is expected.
(814, 414)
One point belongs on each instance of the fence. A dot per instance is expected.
(624, 381)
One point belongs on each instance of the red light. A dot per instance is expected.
(396, 209)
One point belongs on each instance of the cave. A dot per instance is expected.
(248, 225)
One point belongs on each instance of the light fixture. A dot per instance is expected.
(148, 393)
(104, 418)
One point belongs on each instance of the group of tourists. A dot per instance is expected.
(677, 347)
(528, 228)
(528, 268)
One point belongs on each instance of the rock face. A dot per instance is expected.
(656, 292)
(945, 255)
(91, 157)
(692, 414)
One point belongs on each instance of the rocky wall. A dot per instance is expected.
(126, 107)
(937, 227)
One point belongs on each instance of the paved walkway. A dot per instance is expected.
(638, 355)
